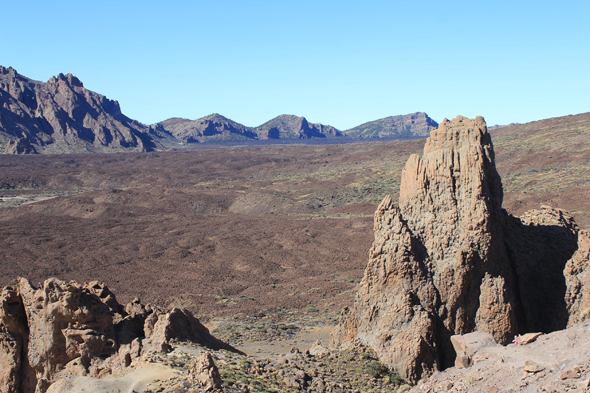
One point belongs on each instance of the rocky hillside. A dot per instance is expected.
(294, 127)
(449, 260)
(216, 127)
(555, 362)
(404, 126)
(63, 329)
(61, 116)
(208, 128)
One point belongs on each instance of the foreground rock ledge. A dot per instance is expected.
(449, 260)
(65, 328)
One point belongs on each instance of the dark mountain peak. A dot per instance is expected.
(8, 71)
(61, 116)
(215, 116)
(291, 126)
(68, 78)
(207, 128)
(417, 124)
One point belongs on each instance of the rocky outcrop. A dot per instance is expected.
(294, 127)
(208, 128)
(61, 116)
(404, 126)
(554, 362)
(467, 345)
(65, 328)
(19, 146)
(448, 260)
(205, 374)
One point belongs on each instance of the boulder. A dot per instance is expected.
(318, 350)
(468, 344)
(205, 374)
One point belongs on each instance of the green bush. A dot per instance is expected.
(244, 363)
(376, 369)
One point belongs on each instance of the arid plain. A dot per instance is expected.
(246, 230)
(264, 244)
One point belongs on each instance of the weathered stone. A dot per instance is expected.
(64, 328)
(63, 116)
(436, 268)
(180, 324)
(532, 367)
(14, 371)
(526, 338)
(205, 373)
(66, 321)
(296, 378)
(318, 350)
(467, 345)
(448, 260)
(574, 373)
(577, 277)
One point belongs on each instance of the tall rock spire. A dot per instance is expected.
(442, 262)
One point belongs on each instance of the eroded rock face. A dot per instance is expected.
(291, 126)
(410, 125)
(66, 328)
(450, 261)
(61, 116)
(205, 373)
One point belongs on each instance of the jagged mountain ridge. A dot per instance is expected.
(61, 116)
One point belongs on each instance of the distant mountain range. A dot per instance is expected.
(216, 127)
(61, 116)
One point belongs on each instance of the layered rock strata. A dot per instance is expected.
(65, 328)
(449, 260)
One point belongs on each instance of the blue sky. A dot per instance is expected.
(336, 62)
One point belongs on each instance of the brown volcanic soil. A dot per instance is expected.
(546, 162)
(220, 231)
(246, 230)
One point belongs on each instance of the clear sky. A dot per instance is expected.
(336, 62)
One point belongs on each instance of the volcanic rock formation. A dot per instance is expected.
(403, 126)
(217, 127)
(212, 127)
(65, 328)
(61, 116)
(449, 260)
(294, 127)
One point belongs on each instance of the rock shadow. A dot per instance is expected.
(539, 254)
